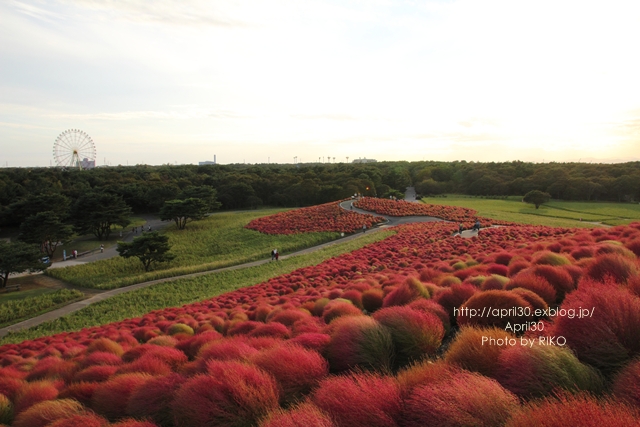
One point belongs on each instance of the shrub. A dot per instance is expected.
(102, 358)
(372, 299)
(355, 296)
(96, 373)
(148, 365)
(10, 386)
(111, 397)
(558, 277)
(360, 400)
(287, 317)
(495, 281)
(84, 420)
(410, 290)
(192, 346)
(536, 284)
(415, 334)
(44, 413)
(306, 414)
(227, 349)
(532, 298)
(82, 392)
(453, 297)
(535, 371)
(32, 393)
(133, 423)
(106, 345)
(6, 410)
(621, 269)
(609, 338)
(569, 411)
(549, 258)
(359, 341)
(466, 399)
(312, 340)
(495, 300)
(430, 306)
(471, 352)
(232, 394)
(295, 369)
(423, 373)
(153, 399)
(275, 330)
(337, 308)
(626, 385)
(51, 367)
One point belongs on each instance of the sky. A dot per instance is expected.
(279, 81)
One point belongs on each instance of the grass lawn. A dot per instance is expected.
(554, 213)
(218, 241)
(184, 291)
(35, 302)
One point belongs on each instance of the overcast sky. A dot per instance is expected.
(260, 81)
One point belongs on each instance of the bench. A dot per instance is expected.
(12, 288)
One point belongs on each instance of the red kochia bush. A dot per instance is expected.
(372, 299)
(626, 385)
(153, 399)
(495, 300)
(337, 308)
(411, 289)
(359, 341)
(106, 345)
(133, 423)
(10, 386)
(44, 413)
(621, 269)
(471, 352)
(415, 334)
(97, 373)
(360, 400)
(534, 283)
(111, 397)
(86, 420)
(231, 394)
(227, 349)
(32, 393)
(558, 277)
(296, 369)
(306, 414)
(574, 410)
(536, 371)
(609, 338)
(82, 392)
(465, 399)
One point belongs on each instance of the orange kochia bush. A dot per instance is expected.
(350, 323)
(326, 217)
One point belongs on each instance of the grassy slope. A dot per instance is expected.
(15, 310)
(217, 241)
(183, 291)
(554, 213)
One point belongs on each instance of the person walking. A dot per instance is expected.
(364, 228)
(277, 254)
(460, 229)
(101, 248)
(273, 254)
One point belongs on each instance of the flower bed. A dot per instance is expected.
(325, 217)
(404, 208)
(347, 339)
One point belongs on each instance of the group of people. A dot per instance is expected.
(135, 229)
(476, 227)
(275, 255)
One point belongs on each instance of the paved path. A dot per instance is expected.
(100, 296)
(70, 308)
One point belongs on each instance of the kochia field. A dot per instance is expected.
(419, 329)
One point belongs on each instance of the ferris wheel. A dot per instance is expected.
(74, 148)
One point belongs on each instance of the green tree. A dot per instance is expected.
(536, 197)
(55, 203)
(206, 193)
(18, 257)
(182, 211)
(46, 230)
(96, 212)
(149, 248)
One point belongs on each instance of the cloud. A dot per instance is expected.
(171, 12)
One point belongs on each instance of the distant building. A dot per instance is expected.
(365, 160)
(87, 164)
(208, 162)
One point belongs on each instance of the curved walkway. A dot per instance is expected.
(79, 305)
(100, 296)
